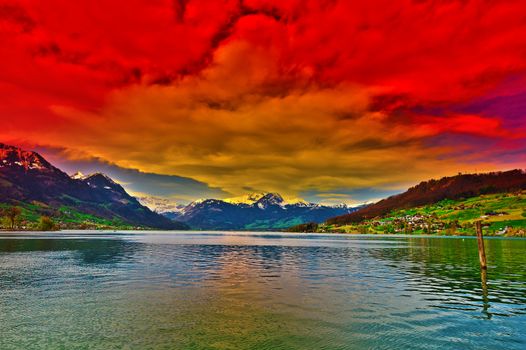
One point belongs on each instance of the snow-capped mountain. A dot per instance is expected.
(14, 158)
(257, 211)
(264, 197)
(26, 177)
(78, 176)
(160, 205)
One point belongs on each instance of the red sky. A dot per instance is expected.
(318, 99)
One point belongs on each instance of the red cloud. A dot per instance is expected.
(405, 54)
(430, 51)
(464, 124)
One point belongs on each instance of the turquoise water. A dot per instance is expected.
(258, 291)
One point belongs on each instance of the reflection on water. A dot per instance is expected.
(259, 291)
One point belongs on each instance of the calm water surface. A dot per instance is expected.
(258, 291)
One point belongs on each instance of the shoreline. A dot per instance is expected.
(58, 233)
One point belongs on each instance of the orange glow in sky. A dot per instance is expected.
(318, 99)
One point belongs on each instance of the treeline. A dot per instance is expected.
(307, 227)
(12, 220)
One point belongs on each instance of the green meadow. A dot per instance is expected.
(63, 217)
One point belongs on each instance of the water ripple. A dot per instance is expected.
(258, 291)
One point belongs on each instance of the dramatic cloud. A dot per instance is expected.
(178, 189)
(324, 98)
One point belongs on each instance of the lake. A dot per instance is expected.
(187, 290)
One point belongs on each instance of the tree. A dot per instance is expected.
(451, 227)
(6, 223)
(12, 214)
(429, 225)
(363, 229)
(46, 224)
(307, 227)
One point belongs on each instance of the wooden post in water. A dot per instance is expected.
(485, 299)
(480, 241)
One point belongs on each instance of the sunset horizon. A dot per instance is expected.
(233, 97)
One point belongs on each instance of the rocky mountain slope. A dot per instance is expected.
(262, 211)
(27, 178)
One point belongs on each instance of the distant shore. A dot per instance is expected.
(35, 233)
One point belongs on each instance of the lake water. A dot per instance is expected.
(258, 291)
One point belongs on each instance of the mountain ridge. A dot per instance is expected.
(27, 177)
(265, 211)
(432, 191)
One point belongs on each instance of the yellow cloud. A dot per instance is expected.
(242, 124)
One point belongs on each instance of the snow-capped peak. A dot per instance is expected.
(160, 205)
(270, 199)
(249, 199)
(99, 176)
(340, 205)
(77, 176)
(275, 198)
(11, 156)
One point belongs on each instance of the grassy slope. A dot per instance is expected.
(273, 224)
(496, 211)
(65, 217)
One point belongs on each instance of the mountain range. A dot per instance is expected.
(257, 211)
(29, 180)
(86, 201)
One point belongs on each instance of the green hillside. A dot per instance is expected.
(501, 214)
(64, 217)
